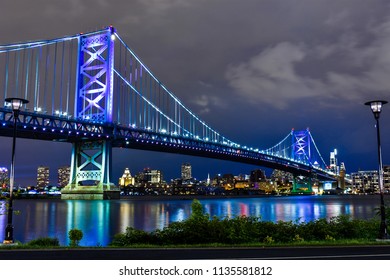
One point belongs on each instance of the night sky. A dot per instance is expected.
(253, 70)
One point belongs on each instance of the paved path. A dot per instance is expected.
(322, 253)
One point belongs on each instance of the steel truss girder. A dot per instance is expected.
(128, 137)
(48, 127)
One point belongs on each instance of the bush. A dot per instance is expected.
(199, 228)
(75, 235)
(130, 237)
(44, 242)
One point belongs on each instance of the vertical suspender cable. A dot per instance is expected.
(143, 93)
(36, 91)
(6, 75)
(69, 76)
(21, 73)
(45, 85)
(62, 74)
(159, 106)
(131, 92)
(27, 73)
(16, 69)
(54, 80)
(119, 86)
(151, 99)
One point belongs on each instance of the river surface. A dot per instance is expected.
(100, 220)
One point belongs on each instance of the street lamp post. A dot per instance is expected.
(16, 104)
(376, 107)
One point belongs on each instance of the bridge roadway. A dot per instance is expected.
(376, 252)
(55, 128)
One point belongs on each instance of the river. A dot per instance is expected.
(100, 220)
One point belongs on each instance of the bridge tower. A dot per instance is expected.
(91, 164)
(301, 151)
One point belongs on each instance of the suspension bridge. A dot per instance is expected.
(93, 91)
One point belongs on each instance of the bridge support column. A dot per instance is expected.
(90, 173)
(91, 160)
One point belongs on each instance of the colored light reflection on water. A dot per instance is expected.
(101, 220)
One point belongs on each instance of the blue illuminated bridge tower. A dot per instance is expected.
(93, 91)
(92, 160)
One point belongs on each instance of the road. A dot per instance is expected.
(377, 252)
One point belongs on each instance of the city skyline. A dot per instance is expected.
(314, 68)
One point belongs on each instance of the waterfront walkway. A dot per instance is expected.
(377, 252)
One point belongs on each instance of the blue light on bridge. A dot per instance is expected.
(169, 121)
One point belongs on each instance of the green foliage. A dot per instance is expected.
(297, 238)
(268, 240)
(199, 228)
(75, 235)
(44, 242)
(131, 236)
(329, 238)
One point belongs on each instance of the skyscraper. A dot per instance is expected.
(152, 176)
(42, 176)
(333, 162)
(63, 176)
(186, 171)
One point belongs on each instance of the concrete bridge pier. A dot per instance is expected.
(91, 169)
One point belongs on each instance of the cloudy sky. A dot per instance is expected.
(252, 69)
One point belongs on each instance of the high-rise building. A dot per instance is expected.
(149, 176)
(63, 176)
(42, 176)
(386, 177)
(368, 181)
(333, 162)
(126, 178)
(186, 171)
(4, 180)
(365, 181)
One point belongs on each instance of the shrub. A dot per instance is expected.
(44, 242)
(75, 235)
(200, 229)
(268, 240)
(329, 238)
(297, 238)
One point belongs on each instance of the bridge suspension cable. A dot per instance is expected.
(146, 103)
(55, 75)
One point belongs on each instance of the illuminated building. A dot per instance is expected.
(333, 162)
(151, 176)
(63, 176)
(42, 176)
(126, 178)
(386, 177)
(365, 181)
(4, 180)
(186, 171)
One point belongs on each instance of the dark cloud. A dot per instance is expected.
(251, 69)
